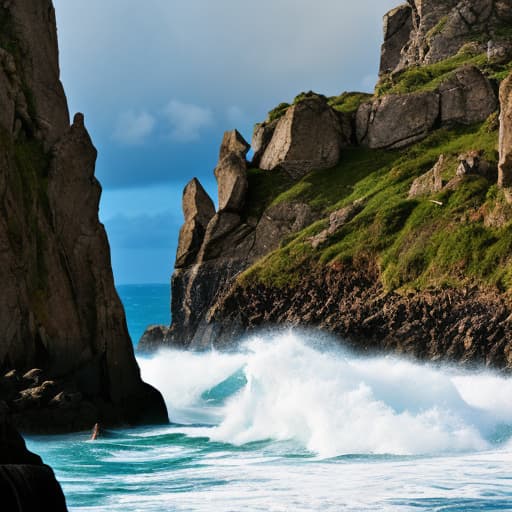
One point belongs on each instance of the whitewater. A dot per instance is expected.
(291, 422)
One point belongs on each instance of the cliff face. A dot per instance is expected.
(59, 309)
(377, 217)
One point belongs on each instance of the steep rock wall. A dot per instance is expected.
(59, 310)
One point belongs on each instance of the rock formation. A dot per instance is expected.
(428, 31)
(309, 136)
(59, 310)
(505, 142)
(368, 255)
(26, 484)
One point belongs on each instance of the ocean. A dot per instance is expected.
(291, 422)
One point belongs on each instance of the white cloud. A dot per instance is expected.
(187, 120)
(134, 128)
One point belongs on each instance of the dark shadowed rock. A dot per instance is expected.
(261, 138)
(198, 210)
(397, 120)
(398, 24)
(430, 182)
(467, 97)
(152, 339)
(59, 309)
(26, 484)
(279, 221)
(505, 143)
(309, 136)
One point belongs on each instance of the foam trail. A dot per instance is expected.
(330, 402)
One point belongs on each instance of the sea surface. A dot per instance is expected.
(290, 422)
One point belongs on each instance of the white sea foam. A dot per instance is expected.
(333, 403)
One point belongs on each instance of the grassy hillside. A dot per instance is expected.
(417, 243)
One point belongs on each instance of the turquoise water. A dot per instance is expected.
(287, 423)
(145, 304)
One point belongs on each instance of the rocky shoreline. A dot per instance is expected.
(278, 258)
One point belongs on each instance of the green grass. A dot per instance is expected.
(349, 102)
(416, 243)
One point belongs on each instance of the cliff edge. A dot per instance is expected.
(384, 218)
(66, 358)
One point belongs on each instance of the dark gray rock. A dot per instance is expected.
(467, 97)
(398, 25)
(309, 136)
(505, 143)
(397, 120)
(198, 210)
(279, 221)
(430, 182)
(152, 339)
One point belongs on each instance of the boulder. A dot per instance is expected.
(430, 182)
(279, 221)
(398, 24)
(309, 136)
(233, 142)
(473, 162)
(337, 220)
(231, 173)
(396, 121)
(198, 210)
(152, 339)
(505, 142)
(467, 97)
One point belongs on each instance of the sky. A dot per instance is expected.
(160, 81)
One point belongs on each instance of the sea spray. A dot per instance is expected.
(331, 402)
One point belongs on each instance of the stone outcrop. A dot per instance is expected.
(59, 309)
(397, 120)
(26, 484)
(398, 25)
(152, 338)
(426, 32)
(430, 182)
(467, 97)
(467, 326)
(198, 210)
(309, 136)
(231, 173)
(505, 143)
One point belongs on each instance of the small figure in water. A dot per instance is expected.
(95, 432)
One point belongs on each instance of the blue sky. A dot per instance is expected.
(160, 81)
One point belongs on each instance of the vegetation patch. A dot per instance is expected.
(440, 240)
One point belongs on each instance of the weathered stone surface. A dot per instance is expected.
(261, 138)
(467, 97)
(279, 221)
(307, 137)
(397, 120)
(26, 484)
(337, 220)
(231, 173)
(59, 309)
(441, 28)
(430, 182)
(226, 237)
(233, 142)
(33, 27)
(198, 210)
(505, 143)
(152, 339)
(473, 162)
(398, 24)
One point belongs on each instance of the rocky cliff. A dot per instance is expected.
(383, 218)
(66, 358)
